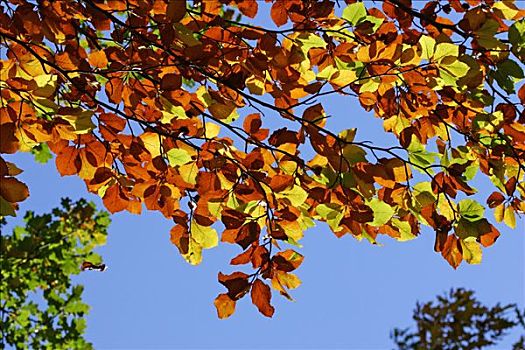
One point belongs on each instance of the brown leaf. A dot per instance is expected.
(225, 306)
(287, 260)
(176, 10)
(510, 186)
(261, 296)
(495, 199)
(236, 283)
(171, 82)
(8, 140)
(13, 190)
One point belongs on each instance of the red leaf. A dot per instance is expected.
(261, 296)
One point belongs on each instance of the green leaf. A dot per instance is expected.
(178, 156)
(5, 208)
(470, 210)
(404, 229)
(354, 154)
(354, 13)
(383, 212)
(420, 157)
(307, 41)
(41, 153)
(332, 214)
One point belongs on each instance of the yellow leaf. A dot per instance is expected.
(81, 123)
(189, 172)
(255, 85)
(343, 77)
(296, 195)
(471, 250)
(444, 50)
(204, 236)
(499, 212)
(427, 46)
(509, 217)
(212, 130)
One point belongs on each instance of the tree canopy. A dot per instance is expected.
(40, 306)
(458, 321)
(172, 105)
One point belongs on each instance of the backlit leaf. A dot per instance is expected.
(225, 306)
(261, 296)
(354, 13)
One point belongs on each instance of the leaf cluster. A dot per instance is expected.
(192, 110)
(40, 306)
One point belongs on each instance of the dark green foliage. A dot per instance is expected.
(457, 321)
(40, 306)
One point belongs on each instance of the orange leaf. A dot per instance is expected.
(225, 305)
(114, 199)
(488, 239)
(243, 258)
(98, 59)
(114, 88)
(279, 13)
(68, 161)
(452, 251)
(261, 296)
(248, 7)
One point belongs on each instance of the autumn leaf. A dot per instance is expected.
(261, 296)
(225, 306)
(221, 123)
